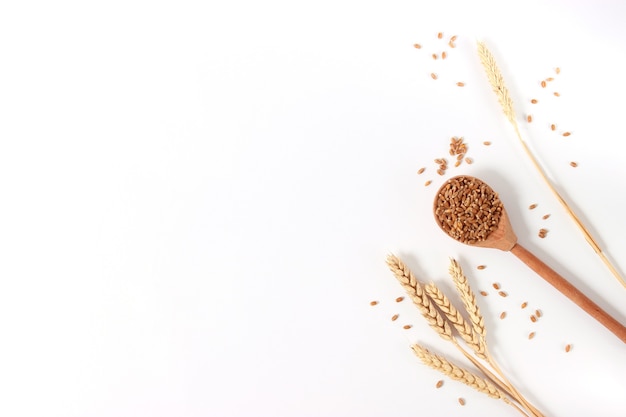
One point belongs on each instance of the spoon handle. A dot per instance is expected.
(569, 291)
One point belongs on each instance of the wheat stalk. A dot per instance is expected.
(415, 290)
(497, 83)
(468, 298)
(465, 330)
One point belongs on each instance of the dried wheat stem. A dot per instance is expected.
(468, 298)
(510, 388)
(497, 83)
(463, 375)
(415, 290)
(465, 330)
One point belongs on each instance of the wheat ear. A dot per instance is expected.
(468, 298)
(469, 301)
(465, 330)
(497, 84)
(415, 290)
(469, 378)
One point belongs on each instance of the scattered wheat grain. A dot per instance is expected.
(496, 285)
(481, 267)
(566, 134)
(533, 318)
(545, 216)
(538, 313)
(502, 293)
(531, 335)
(395, 317)
(399, 299)
(407, 326)
(460, 84)
(568, 348)
(502, 315)
(434, 56)
(574, 164)
(421, 170)
(443, 55)
(417, 46)
(484, 293)
(557, 94)
(373, 303)
(529, 118)
(524, 304)
(427, 183)
(439, 384)
(469, 161)
(557, 70)
(457, 163)
(543, 84)
(553, 127)
(439, 35)
(461, 401)
(532, 206)
(486, 143)
(433, 75)
(533, 101)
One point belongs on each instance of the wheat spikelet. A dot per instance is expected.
(497, 82)
(466, 331)
(443, 365)
(415, 290)
(468, 297)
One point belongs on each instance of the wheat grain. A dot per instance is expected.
(395, 317)
(461, 401)
(415, 290)
(373, 303)
(417, 46)
(458, 374)
(399, 299)
(439, 384)
(421, 170)
(460, 84)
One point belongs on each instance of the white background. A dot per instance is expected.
(197, 199)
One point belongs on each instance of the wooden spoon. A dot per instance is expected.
(503, 238)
